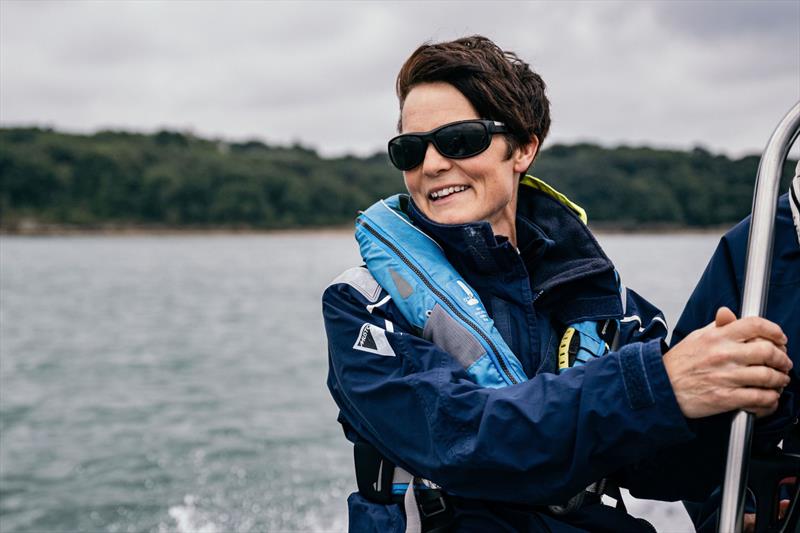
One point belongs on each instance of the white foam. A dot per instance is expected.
(188, 519)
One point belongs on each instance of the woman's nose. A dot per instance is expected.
(434, 162)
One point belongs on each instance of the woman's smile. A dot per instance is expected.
(438, 195)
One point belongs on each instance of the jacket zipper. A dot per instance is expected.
(443, 298)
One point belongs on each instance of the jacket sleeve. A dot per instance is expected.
(537, 442)
(665, 475)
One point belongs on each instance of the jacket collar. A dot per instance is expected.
(558, 251)
(475, 247)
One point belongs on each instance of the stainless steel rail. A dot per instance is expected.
(754, 302)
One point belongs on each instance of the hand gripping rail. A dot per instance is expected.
(754, 300)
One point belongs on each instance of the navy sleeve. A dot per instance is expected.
(664, 475)
(701, 459)
(537, 442)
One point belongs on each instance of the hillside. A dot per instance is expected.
(176, 180)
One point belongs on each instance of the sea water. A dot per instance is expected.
(177, 383)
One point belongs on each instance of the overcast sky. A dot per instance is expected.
(719, 74)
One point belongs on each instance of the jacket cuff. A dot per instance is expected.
(647, 384)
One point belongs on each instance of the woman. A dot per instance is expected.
(470, 353)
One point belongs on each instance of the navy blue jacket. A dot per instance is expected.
(535, 443)
(721, 285)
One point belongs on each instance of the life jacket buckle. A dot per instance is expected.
(432, 505)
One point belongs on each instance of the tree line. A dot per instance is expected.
(175, 179)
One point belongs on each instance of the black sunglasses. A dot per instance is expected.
(457, 140)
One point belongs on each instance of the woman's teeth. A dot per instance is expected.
(447, 192)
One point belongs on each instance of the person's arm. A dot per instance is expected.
(664, 475)
(542, 440)
(537, 442)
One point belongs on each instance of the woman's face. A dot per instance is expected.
(489, 179)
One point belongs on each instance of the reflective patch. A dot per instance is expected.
(402, 285)
(470, 300)
(638, 321)
(361, 280)
(449, 335)
(372, 339)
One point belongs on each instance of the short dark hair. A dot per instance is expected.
(498, 84)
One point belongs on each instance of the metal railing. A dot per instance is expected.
(754, 302)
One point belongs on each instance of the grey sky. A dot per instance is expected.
(720, 74)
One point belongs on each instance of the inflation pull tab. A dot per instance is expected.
(470, 296)
(568, 349)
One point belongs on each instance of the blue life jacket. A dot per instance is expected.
(436, 300)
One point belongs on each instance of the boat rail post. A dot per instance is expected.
(754, 303)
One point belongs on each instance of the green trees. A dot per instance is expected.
(176, 179)
(631, 187)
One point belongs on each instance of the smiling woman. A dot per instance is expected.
(490, 369)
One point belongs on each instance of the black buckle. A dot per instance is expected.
(431, 502)
(607, 330)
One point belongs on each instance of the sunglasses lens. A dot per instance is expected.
(462, 140)
(457, 141)
(407, 151)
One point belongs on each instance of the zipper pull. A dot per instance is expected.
(470, 300)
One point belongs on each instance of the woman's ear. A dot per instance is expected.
(525, 154)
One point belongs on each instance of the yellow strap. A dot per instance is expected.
(539, 185)
(563, 349)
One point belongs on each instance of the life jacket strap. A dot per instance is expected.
(591, 494)
(428, 507)
(374, 473)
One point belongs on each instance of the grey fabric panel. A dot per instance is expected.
(402, 285)
(361, 280)
(446, 333)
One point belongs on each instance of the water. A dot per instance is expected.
(176, 383)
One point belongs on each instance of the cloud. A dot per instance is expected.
(711, 20)
(672, 73)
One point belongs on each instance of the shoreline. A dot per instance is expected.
(56, 230)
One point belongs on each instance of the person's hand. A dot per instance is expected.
(749, 519)
(729, 364)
